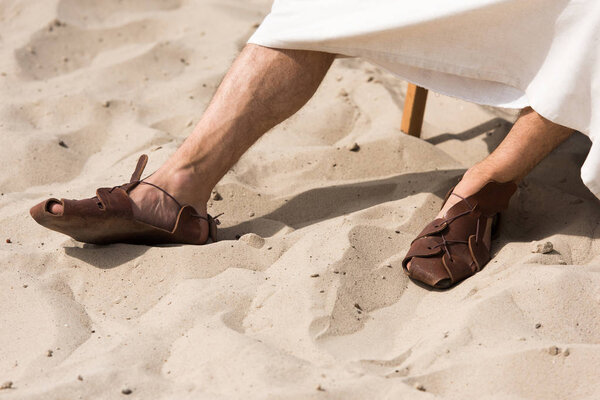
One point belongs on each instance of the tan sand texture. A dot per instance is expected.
(311, 302)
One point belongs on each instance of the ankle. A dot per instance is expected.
(491, 169)
(473, 180)
(184, 185)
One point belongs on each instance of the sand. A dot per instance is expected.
(311, 301)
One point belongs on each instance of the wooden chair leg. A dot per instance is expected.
(414, 109)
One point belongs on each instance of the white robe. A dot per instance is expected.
(505, 53)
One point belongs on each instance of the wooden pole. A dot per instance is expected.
(414, 110)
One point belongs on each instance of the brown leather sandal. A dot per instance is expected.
(108, 218)
(451, 249)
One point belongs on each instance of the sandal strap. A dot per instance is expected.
(139, 169)
(164, 191)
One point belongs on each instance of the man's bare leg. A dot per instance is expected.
(529, 141)
(262, 88)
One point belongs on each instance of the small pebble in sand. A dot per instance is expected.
(566, 353)
(106, 104)
(314, 276)
(126, 391)
(251, 214)
(63, 144)
(538, 325)
(396, 231)
(49, 353)
(358, 307)
(6, 385)
(554, 351)
(25, 286)
(217, 196)
(354, 147)
(543, 248)
(420, 387)
(79, 377)
(370, 79)
(256, 25)
(343, 93)
(8, 241)
(320, 388)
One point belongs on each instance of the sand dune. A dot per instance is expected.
(311, 301)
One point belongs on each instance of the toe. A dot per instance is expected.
(40, 212)
(55, 207)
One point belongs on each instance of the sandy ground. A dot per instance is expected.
(311, 301)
